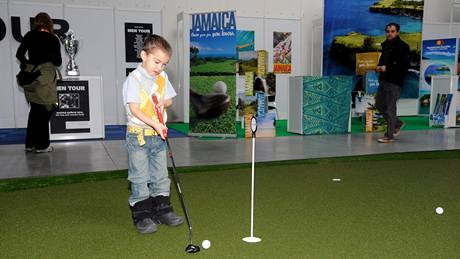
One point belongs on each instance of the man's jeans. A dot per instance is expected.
(385, 102)
(147, 168)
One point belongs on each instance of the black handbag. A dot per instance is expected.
(25, 78)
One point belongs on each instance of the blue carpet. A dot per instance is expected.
(112, 132)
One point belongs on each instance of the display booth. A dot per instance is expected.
(265, 32)
(319, 105)
(79, 114)
(444, 102)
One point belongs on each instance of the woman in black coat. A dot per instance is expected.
(43, 50)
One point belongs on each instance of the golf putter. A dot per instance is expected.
(191, 248)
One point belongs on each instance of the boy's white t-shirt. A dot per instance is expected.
(136, 80)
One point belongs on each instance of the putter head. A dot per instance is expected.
(192, 249)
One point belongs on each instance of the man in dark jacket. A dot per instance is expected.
(392, 68)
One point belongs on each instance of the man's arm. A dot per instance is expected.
(405, 59)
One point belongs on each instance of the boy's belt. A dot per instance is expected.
(141, 132)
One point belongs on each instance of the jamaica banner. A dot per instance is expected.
(212, 74)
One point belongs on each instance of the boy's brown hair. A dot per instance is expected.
(154, 41)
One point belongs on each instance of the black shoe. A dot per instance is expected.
(146, 226)
(169, 219)
(163, 212)
(141, 213)
(46, 150)
(385, 140)
(398, 129)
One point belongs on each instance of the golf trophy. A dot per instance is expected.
(71, 46)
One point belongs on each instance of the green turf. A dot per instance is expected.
(382, 208)
(14, 184)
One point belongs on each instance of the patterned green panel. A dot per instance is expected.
(326, 104)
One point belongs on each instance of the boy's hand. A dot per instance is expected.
(164, 132)
(380, 68)
(161, 129)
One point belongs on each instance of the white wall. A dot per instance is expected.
(439, 11)
(308, 12)
(442, 19)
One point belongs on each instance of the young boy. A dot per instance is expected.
(147, 163)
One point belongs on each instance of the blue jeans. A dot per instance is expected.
(147, 168)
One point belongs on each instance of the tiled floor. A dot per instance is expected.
(99, 155)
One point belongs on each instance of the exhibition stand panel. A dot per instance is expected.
(320, 105)
(444, 102)
(79, 114)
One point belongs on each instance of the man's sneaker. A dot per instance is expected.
(146, 226)
(385, 140)
(46, 150)
(398, 130)
(29, 149)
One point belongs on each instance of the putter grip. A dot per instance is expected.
(159, 114)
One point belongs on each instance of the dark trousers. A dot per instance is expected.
(385, 102)
(38, 135)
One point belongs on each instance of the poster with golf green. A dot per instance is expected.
(212, 74)
(352, 27)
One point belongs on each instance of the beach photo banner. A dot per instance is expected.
(212, 74)
(352, 27)
(438, 59)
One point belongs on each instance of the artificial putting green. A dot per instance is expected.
(383, 207)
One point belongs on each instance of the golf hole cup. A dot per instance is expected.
(206, 244)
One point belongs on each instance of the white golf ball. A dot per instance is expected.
(206, 244)
(439, 210)
(220, 87)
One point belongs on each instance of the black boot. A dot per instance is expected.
(141, 213)
(163, 212)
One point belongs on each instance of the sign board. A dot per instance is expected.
(79, 114)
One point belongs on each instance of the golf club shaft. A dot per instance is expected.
(179, 191)
(175, 176)
(252, 184)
